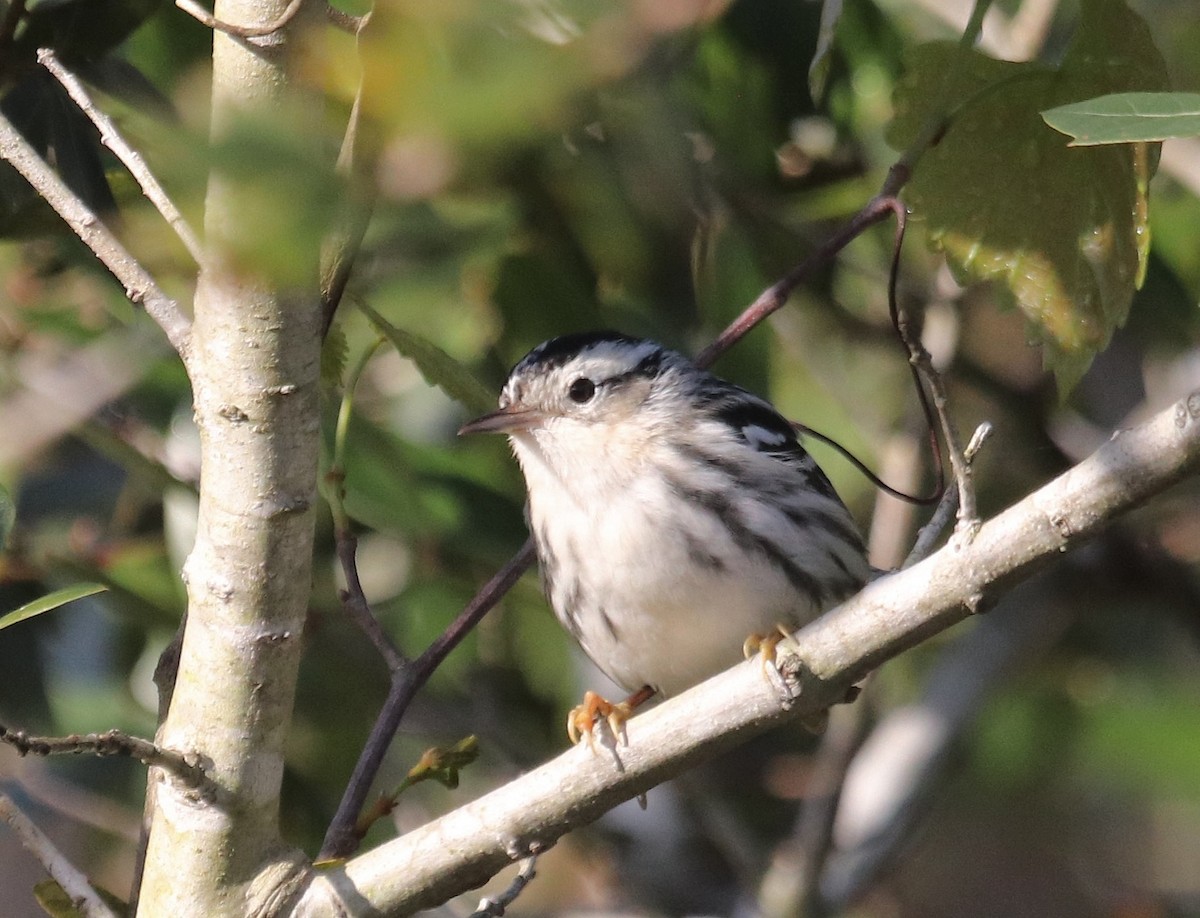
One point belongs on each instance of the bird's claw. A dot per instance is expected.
(581, 721)
(764, 645)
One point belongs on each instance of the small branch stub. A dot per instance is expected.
(184, 766)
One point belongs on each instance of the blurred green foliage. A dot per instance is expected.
(539, 168)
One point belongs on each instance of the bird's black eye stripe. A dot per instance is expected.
(581, 390)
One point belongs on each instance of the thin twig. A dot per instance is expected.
(919, 362)
(184, 766)
(208, 19)
(131, 159)
(354, 598)
(140, 287)
(64, 873)
(340, 838)
(921, 365)
(774, 297)
(928, 535)
(495, 908)
(354, 601)
(933, 128)
(344, 21)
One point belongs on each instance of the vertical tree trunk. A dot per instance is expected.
(254, 370)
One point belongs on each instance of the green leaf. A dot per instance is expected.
(442, 764)
(49, 602)
(435, 365)
(1127, 117)
(1005, 197)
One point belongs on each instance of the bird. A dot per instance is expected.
(675, 514)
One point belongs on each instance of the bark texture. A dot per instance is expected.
(254, 371)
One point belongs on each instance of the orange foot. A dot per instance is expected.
(581, 722)
(764, 645)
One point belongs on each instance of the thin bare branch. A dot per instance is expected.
(341, 838)
(354, 601)
(344, 21)
(140, 287)
(354, 598)
(495, 908)
(130, 157)
(64, 873)
(893, 613)
(878, 209)
(948, 508)
(194, 9)
(185, 766)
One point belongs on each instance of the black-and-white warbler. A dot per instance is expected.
(674, 513)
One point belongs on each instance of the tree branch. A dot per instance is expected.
(255, 374)
(140, 287)
(129, 157)
(64, 873)
(949, 505)
(341, 838)
(194, 9)
(495, 908)
(186, 767)
(462, 849)
(878, 209)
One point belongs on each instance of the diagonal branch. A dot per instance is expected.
(129, 157)
(140, 287)
(878, 209)
(462, 849)
(64, 873)
(342, 838)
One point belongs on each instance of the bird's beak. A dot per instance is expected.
(506, 420)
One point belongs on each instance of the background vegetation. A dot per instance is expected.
(652, 167)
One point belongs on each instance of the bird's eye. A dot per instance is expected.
(582, 390)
